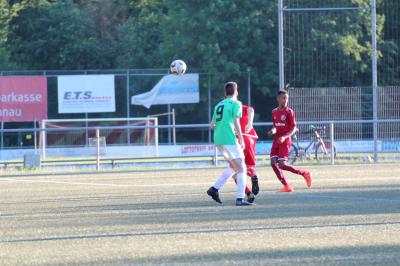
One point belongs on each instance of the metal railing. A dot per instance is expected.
(333, 134)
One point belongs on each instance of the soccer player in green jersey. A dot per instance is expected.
(227, 132)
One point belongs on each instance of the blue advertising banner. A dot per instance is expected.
(171, 89)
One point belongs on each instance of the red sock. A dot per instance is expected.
(251, 171)
(291, 168)
(279, 173)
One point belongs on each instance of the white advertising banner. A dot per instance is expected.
(171, 89)
(86, 94)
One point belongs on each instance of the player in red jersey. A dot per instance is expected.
(250, 138)
(284, 126)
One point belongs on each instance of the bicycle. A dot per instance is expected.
(321, 148)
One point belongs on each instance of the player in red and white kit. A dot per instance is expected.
(250, 138)
(284, 126)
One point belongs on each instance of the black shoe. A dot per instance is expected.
(254, 185)
(213, 193)
(241, 202)
(250, 197)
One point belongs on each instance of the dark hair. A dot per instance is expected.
(282, 92)
(230, 88)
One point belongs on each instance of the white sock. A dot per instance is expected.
(241, 185)
(226, 174)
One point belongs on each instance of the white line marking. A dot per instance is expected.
(103, 184)
(346, 198)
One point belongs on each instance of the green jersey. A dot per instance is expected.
(223, 117)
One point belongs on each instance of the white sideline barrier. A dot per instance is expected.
(263, 147)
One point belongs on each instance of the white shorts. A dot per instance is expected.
(231, 152)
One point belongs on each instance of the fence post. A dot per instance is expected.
(34, 136)
(174, 128)
(209, 108)
(281, 50)
(332, 132)
(169, 123)
(248, 86)
(374, 78)
(128, 109)
(215, 156)
(97, 149)
(2, 135)
(43, 138)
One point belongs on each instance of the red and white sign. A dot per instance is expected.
(23, 98)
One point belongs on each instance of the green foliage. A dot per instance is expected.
(139, 37)
(56, 36)
(213, 35)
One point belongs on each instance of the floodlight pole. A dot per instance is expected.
(374, 78)
(281, 47)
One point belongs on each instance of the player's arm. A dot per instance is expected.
(212, 124)
(272, 131)
(250, 113)
(292, 131)
(238, 130)
(237, 114)
(289, 134)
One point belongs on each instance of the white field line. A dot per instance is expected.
(346, 179)
(355, 198)
(192, 232)
(102, 184)
(309, 195)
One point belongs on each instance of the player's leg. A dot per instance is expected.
(240, 166)
(279, 174)
(277, 170)
(287, 167)
(247, 189)
(221, 180)
(275, 164)
(249, 195)
(250, 160)
(284, 152)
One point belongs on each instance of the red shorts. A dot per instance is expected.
(281, 150)
(250, 150)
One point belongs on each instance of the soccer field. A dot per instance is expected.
(350, 216)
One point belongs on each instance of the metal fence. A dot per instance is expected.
(341, 59)
(130, 82)
(339, 146)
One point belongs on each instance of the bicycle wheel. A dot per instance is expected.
(294, 153)
(320, 155)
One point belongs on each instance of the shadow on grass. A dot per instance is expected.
(368, 255)
(194, 232)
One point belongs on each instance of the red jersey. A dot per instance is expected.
(283, 120)
(243, 123)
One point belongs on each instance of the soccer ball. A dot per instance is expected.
(178, 67)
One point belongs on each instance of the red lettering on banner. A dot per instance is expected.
(194, 149)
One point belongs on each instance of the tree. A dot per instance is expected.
(140, 36)
(56, 36)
